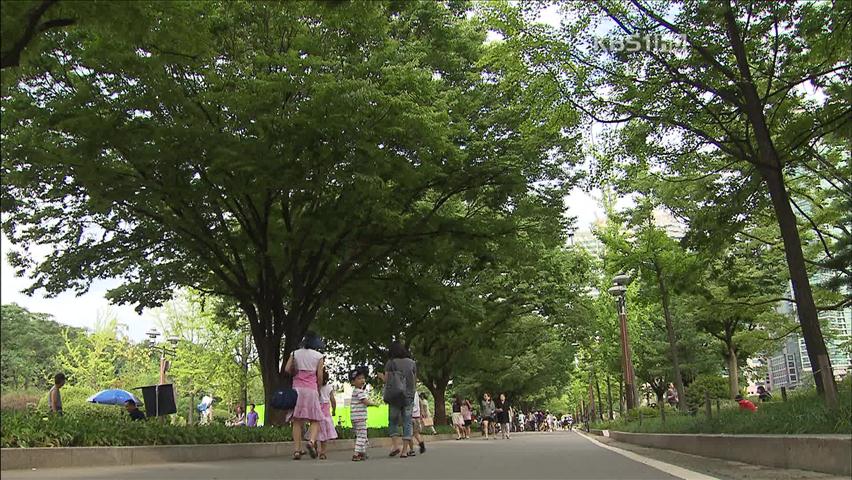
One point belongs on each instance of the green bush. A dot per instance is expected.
(803, 413)
(73, 398)
(110, 426)
(19, 399)
(715, 384)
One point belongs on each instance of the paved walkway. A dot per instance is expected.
(558, 455)
(533, 456)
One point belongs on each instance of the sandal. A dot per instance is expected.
(358, 457)
(297, 455)
(312, 449)
(322, 456)
(394, 453)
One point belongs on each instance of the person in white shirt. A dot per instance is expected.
(416, 424)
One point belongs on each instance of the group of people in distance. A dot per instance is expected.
(498, 416)
(494, 415)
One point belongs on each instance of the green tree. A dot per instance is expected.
(728, 101)
(94, 361)
(264, 157)
(205, 360)
(29, 345)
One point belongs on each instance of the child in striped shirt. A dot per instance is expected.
(358, 413)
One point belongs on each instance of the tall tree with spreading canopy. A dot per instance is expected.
(272, 153)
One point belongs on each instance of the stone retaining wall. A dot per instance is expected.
(63, 457)
(819, 453)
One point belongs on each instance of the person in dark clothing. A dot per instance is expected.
(502, 413)
(135, 413)
(762, 394)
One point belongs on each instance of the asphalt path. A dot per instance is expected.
(557, 455)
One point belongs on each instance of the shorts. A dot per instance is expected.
(467, 423)
(486, 419)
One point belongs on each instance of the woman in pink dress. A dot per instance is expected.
(306, 365)
(328, 405)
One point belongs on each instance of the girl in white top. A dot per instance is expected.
(306, 365)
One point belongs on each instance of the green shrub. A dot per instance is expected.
(103, 425)
(803, 413)
(715, 384)
(19, 399)
(73, 398)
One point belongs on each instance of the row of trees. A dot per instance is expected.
(741, 131)
(293, 158)
(377, 169)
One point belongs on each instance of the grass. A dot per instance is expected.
(803, 413)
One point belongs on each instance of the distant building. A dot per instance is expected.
(787, 366)
(784, 369)
(586, 239)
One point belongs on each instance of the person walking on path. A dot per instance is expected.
(54, 397)
(306, 365)
(416, 424)
(358, 413)
(425, 415)
(458, 419)
(488, 409)
(467, 415)
(399, 412)
(501, 408)
(329, 408)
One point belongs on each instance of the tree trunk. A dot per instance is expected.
(245, 364)
(600, 400)
(802, 293)
(609, 396)
(191, 408)
(439, 393)
(678, 379)
(733, 371)
(771, 167)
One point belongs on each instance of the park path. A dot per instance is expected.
(557, 455)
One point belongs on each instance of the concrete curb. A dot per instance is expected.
(66, 457)
(820, 453)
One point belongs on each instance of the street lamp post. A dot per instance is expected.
(164, 351)
(618, 290)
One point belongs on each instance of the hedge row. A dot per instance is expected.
(111, 427)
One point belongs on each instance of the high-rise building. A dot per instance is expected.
(786, 367)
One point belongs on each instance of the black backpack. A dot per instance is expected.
(284, 399)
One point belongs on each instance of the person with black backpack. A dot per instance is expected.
(400, 383)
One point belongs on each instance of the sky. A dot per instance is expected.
(82, 311)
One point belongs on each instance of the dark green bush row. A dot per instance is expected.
(111, 427)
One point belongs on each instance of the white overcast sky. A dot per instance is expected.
(82, 311)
